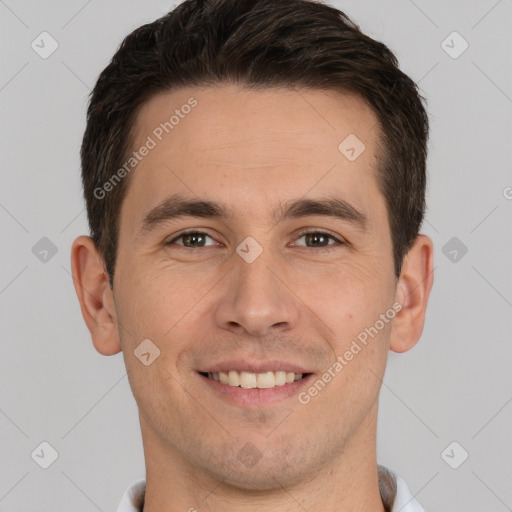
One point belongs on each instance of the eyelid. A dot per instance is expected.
(305, 231)
(186, 232)
(319, 231)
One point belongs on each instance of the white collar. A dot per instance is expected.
(404, 500)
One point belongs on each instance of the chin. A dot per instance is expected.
(263, 472)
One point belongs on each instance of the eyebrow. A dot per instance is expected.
(178, 206)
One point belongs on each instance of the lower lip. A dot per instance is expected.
(256, 397)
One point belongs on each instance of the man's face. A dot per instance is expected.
(211, 301)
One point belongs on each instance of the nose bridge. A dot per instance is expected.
(256, 277)
(256, 298)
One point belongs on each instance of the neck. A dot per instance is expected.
(349, 481)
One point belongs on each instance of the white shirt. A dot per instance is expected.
(404, 501)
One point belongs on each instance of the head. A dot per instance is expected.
(270, 117)
(258, 45)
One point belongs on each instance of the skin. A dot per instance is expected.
(205, 304)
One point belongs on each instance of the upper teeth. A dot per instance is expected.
(250, 380)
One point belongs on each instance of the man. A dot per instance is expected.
(254, 174)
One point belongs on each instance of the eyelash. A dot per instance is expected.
(327, 248)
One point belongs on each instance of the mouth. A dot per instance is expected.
(250, 380)
(254, 384)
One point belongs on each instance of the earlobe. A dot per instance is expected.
(413, 290)
(95, 296)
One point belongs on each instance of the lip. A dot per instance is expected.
(243, 365)
(256, 397)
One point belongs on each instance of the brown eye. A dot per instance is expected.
(191, 239)
(319, 239)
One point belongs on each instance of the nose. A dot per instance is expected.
(257, 299)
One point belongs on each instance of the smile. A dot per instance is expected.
(249, 380)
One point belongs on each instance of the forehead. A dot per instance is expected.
(257, 144)
(236, 115)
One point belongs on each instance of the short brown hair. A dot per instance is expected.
(258, 44)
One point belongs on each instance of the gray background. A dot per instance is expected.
(455, 385)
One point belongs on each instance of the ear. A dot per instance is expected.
(413, 290)
(95, 295)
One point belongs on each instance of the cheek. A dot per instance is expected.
(154, 301)
(356, 313)
(157, 307)
(351, 296)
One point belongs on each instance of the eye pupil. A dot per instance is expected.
(314, 237)
(193, 238)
